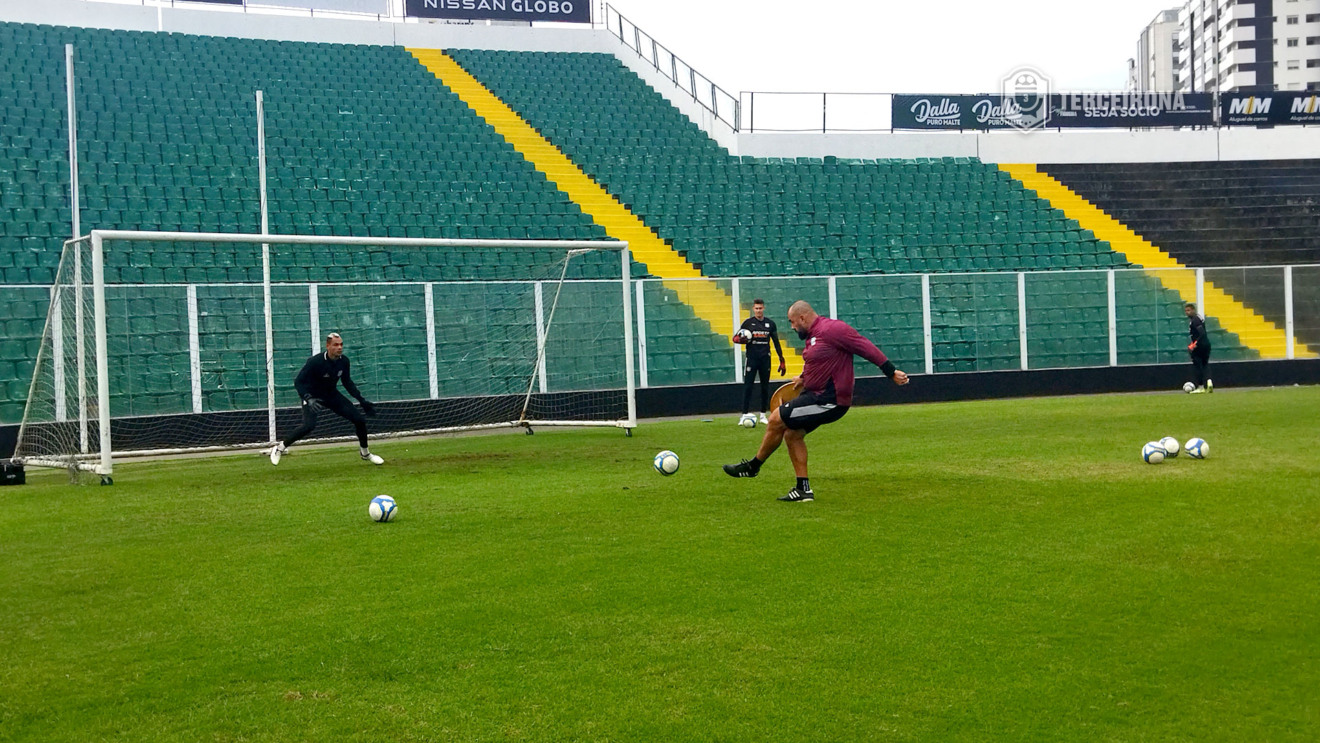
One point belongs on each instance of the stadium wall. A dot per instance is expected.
(1085, 146)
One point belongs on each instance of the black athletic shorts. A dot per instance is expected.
(807, 412)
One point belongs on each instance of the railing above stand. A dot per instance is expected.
(723, 105)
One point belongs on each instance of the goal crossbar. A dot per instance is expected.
(401, 242)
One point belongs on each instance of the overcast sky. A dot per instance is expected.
(928, 46)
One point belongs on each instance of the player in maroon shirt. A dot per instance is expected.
(827, 389)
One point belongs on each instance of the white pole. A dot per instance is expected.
(265, 267)
(57, 316)
(1200, 291)
(76, 221)
(538, 296)
(626, 260)
(1288, 311)
(925, 324)
(834, 299)
(642, 372)
(73, 139)
(432, 373)
(102, 351)
(57, 349)
(1113, 319)
(80, 331)
(1022, 318)
(314, 313)
(735, 290)
(194, 350)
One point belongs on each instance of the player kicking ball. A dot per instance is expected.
(827, 389)
(317, 385)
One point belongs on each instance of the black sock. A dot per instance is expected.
(755, 463)
(804, 485)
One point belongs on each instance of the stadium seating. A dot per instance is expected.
(809, 216)
(1218, 215)
(362, 140)
(747, 216)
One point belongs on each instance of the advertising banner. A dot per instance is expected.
(1271, 108)
(378, 7)
(1067, 110)
(1132, 110)
(563, 11)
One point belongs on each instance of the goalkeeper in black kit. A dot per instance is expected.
(1199, 349)
(758, 332)
(317, 385)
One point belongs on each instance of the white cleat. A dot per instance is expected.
(276, 452)
(373, 458)
(764, 419)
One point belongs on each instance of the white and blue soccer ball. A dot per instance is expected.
(745, 335)
(1189, 387)
(1197, 448)
(382, 508)
(666, 463)
(748, 420)
(1153, 453)
(1171, 446)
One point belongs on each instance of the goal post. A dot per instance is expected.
(69, 369)
(167, 342)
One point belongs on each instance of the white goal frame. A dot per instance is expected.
(102, 462)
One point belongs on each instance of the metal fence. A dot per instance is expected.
(928, 323)
(783, 112)
(987, 321)
(723, 105)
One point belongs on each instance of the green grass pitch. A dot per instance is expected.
(971, 571)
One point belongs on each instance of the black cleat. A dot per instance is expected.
(798, 495)
(744, 468)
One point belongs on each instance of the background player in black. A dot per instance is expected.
(1199, 348)
(757, 363)
(317, 385)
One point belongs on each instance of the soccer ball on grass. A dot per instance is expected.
(1153, 452)
(382, 508)
(747, 421)
(1189, 387)
(1171, 446)
(666, 463)
(1197, 448)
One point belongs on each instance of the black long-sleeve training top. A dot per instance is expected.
(321, 374)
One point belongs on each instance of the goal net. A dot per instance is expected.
(160, 343)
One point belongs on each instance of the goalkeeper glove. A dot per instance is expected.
(1191, 346)
(368, 407)
(783, 368)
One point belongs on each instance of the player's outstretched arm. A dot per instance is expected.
(898, 376)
